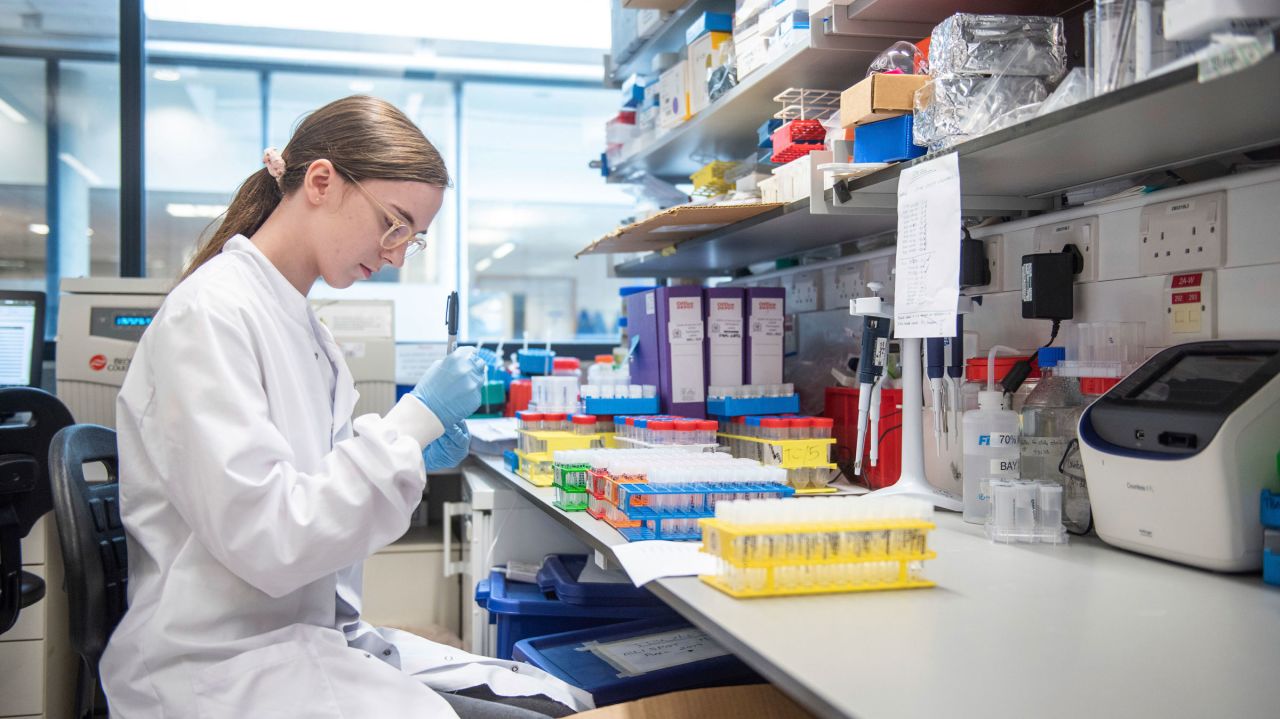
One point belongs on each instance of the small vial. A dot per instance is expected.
(773, 429)
(554, 422)
(648, 391)
(686, 431)
(535, 421)
(1024, 516)
(590, 391)
(822, 427)
(707, 431)
(584, 424)
(608, 391)
(642, 430)
(604, 424)
(635, 391)
(788, 389)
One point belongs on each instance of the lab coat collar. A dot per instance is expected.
(293, 301)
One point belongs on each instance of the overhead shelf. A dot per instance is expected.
(1165, 122)
(669, 37)
(727, 129)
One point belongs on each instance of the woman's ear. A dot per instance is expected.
(318, 185)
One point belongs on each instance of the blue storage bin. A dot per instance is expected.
(521, 610)
(613, 407)
(764, 134)
(535, 362)
(885, 141)
(759, 406)
(568, 656)
(559, 576)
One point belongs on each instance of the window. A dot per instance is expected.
(530, 203)
(24, 226)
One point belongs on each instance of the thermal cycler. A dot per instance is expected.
(1177, 454)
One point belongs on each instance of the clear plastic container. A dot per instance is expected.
(687, 431)
(774, 429)
(555, 422)
(707, 431)
(990, 452)
(662, 431)
(802, 428)
(1049, 419)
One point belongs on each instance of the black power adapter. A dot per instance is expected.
(1047, 284)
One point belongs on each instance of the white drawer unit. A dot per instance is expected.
(22, 678)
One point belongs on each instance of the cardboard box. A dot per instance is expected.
(647, 21)
(705, 53)
(758, 701)
(708, 22)
(879, 97)
(726, 339)
(752, 50)
(671, 352)
(673, 96)
(886, 141)
(766, 328)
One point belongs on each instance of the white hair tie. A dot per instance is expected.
(274, 161)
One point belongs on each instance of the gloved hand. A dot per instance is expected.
(451, 387)
(449, 450)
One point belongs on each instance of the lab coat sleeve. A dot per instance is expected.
(232, 474)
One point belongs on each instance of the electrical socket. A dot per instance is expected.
(804, 295)
(1081, 232)
(994, 248)
(1186, 234)
(850, 283)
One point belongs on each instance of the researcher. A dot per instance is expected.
(250, 496)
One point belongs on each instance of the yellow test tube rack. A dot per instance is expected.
(797, 456)
(772, 560)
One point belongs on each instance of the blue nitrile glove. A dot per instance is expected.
(449, 450)
(451, 387)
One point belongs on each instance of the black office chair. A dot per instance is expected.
(29, 418)
(93, 547)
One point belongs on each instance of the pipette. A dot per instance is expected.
(955, 370)
(451, 320)
(875, 352)
(934, 361)
(875, 420)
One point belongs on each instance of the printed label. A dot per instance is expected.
(684, 332)
(767, 327)
(1191, 279)
(1186, 298)
(1026, 282)
(1178, 207)
(997, 440)
(1004, 467)
(650, 305)
(726, 329)
(882, 351)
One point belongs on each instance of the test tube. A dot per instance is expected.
(788, 389)
(635, 391)
(642, 430)
(648, 391)
(772, 428)
(686, 431)
(1003, 497)
(707, 431)
(554, 422)
(1024, 518)
(1049, 506)
(822, 427)
(584, 424)
(604, 424)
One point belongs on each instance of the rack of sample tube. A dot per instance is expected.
(768, 548)
(541, 435)
(800, 445)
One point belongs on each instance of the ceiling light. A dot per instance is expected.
(37, 228)
(12, 113)
(81, 169)
(166, 74)
(484, 264)
(503, 250)
(187, 210)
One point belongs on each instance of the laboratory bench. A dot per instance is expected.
(1009, 631)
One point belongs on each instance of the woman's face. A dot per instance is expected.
(349, 247)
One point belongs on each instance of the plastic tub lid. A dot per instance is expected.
(561, 656)
(534, 416)
(823, 422)
(686, 425)
(708, 425)
(524, 599)
(584, 419)
(801, 423)
(554, 417)
(772, 423)
(560, 574)
(661, 425)
(566, 363)
(975, 368)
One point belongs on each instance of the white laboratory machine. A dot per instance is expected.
(365, 330)
(497, 525)
(100, 321)
(1177, 454)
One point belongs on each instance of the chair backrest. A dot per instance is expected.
(31, 419)
(91, 534)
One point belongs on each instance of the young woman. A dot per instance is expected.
(250, 496)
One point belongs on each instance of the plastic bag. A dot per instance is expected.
(901, 57)
(999, 44)
(1076, 87)
(950, 109)
(723, 77)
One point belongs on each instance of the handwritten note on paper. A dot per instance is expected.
(927, 279)
(644, 654)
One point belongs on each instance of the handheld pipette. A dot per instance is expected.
(934, 361)
(875, 420)
(955, 370)
(875, 353)
(451, 320)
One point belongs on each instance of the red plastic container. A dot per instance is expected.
(518, 396)
(975, 368)
(842, 407)
(797, 138)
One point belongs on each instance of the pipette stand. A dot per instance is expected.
(912, 482)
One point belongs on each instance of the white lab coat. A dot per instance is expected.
(249, 504)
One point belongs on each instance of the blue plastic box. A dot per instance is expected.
(522, 610)
(1271, 556)
(759, 406)
(886, 141)
(764, 133)
(1270, 509)
(708, 22)
(567, 656)
(559, 577)
(535, 362)
(621, 406)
